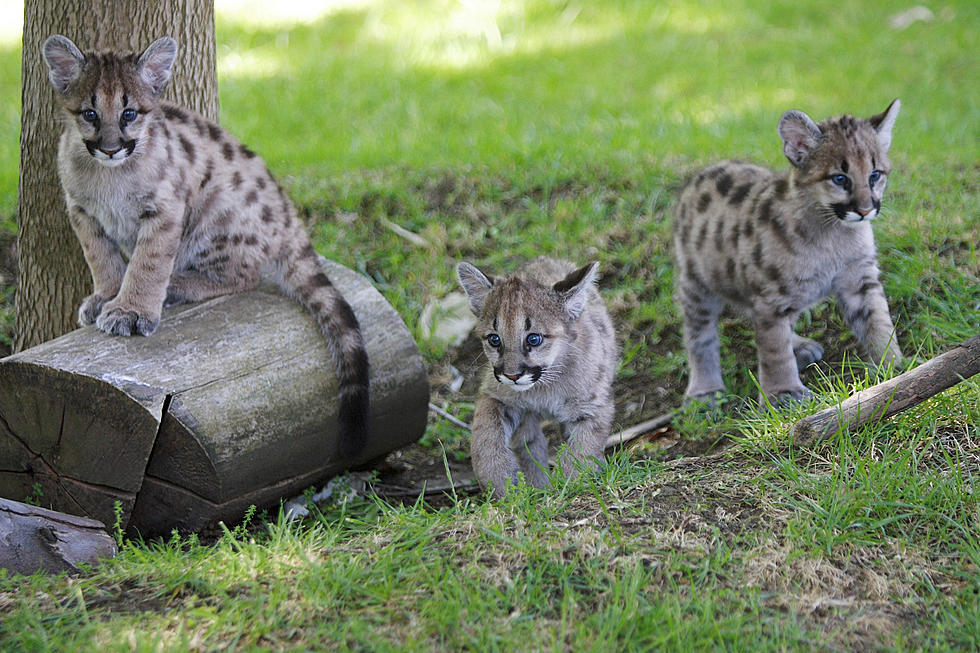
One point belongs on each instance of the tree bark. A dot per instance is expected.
(893, 396)
(232, 402)
(53, 275)
(33, 539)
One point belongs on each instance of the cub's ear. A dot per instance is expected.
(799, 135)
(65, 61)
(574, 288)
(884, 122)
(476, 284)
(154, 64)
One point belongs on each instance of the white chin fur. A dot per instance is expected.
(856, 217)
(520, 385)
(110, 162)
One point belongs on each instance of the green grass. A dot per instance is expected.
(569, 135)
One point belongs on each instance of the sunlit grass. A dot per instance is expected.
(533, 88)
(265, 14)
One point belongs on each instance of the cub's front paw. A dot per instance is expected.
(122, 321)
(783, 398)
(90, 309)
(807, 353)
(705, 401)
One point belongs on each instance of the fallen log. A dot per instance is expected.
(33, 539)
(232, 402)
(893, 396)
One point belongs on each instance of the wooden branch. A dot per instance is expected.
(893, 396)
(232, 402)
(637, 430)
(33, 538)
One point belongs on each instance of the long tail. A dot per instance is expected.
(303, 279)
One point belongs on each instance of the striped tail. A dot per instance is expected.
(304, 280)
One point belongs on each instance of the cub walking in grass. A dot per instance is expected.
(552, 351)
(171, 208)
(777, 243)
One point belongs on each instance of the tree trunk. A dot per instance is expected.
(53, 275)
(232, 402)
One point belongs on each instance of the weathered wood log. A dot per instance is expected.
(893, 396)
(232, 402)
(33, 538)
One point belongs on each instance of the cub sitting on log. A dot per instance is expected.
(171, 208)
(552, 351)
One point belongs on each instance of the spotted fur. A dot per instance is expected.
(777, 243)
(171, 208)
(552, 351)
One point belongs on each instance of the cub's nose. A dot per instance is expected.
(514, 377)
(109, 151)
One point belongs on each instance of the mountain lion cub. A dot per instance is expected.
(171, 208)
(777, 243)
(552, 351)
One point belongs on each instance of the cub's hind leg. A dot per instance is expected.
(194, 286)
(700, 311)
(530, 447)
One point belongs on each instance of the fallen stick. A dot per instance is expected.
(893, 396)
(637, 430)
(443, 414)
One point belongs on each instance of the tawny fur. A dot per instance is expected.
(777, 243)
(171, 208)
(552, 352)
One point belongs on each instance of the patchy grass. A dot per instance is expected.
(565, 128)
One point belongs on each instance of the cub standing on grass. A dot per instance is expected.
(552, 351)
(778, 243)
(170, 208)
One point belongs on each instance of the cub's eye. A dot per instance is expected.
(534, 339)
(89, 116)
(493, 340)
(839, 180)
(874, 177)
(129, 114)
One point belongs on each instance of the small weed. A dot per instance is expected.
(117, 529)
(35, 496)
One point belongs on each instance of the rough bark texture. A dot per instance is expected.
(893, 396)
(53, 275)
(34, 539)
(232, 402)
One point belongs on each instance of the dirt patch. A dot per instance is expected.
(853, 598)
